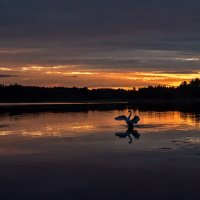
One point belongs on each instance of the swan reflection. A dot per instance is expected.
(129, 132)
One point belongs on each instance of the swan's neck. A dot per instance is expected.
(130, 114)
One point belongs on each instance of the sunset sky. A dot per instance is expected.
(93, 43)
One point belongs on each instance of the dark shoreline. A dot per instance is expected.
(186, 92)
(141, 104)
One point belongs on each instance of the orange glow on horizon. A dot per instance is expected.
(78, 76)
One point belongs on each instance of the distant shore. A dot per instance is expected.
(142, 104)
(185, 94)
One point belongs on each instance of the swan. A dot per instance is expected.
(130, 122)
(130, 131)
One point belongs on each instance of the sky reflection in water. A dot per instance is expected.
(91, 133)
(75, 124)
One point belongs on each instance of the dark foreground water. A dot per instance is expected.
(89, 155)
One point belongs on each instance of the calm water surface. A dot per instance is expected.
(88, 155)
(156, 129)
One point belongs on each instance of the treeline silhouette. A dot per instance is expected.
(19, 93)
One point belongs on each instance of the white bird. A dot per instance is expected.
(128, 120)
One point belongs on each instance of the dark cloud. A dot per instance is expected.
(93, 32)
(72, 76)
(177, 72)
(92, 18)
(6, 75)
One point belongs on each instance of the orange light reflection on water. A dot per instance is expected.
(74, 124)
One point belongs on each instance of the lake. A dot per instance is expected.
(89, 155)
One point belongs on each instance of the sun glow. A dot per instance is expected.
(80, 76)
(5, 69)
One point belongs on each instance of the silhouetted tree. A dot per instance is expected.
(19, 93)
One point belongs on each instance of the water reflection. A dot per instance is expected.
(129, 132)
(75, 124)
(50, 131)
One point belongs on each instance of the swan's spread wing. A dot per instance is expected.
(122, 135)
(135, 120)
(123, 117)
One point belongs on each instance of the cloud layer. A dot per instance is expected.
(100, 36)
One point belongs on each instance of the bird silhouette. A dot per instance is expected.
(130, 131)
(130, 122)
